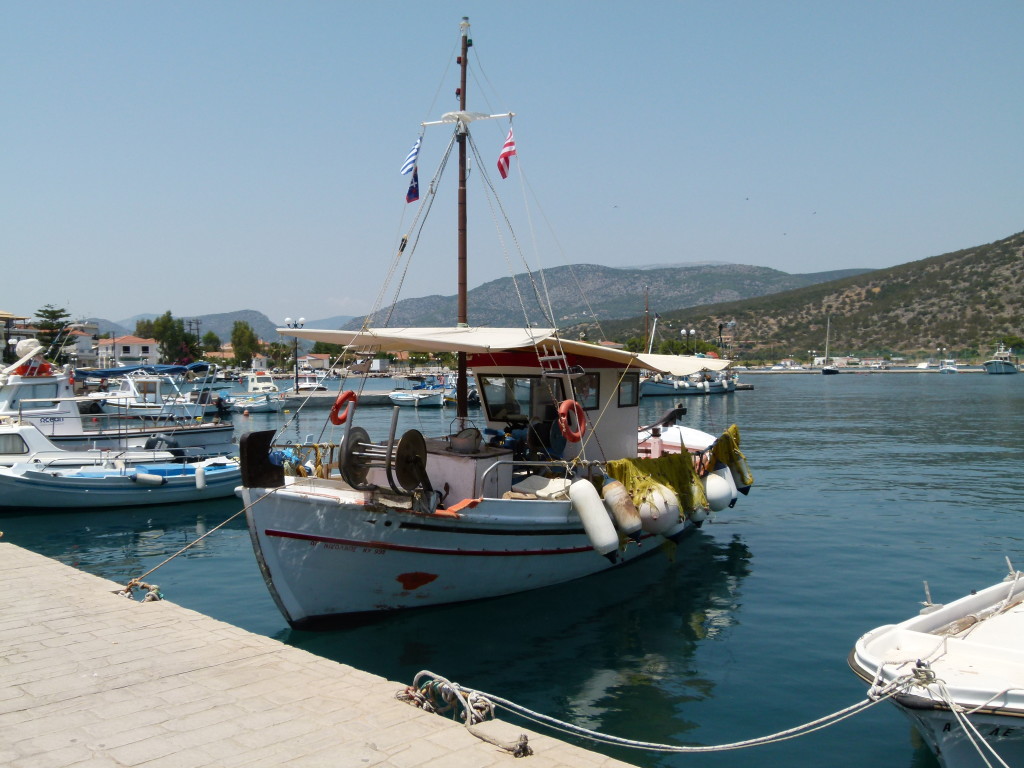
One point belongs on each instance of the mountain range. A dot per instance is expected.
(957, 304)
(587, 292)
(961, 301)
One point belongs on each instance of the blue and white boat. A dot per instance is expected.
(37, 486)
(1002, 362)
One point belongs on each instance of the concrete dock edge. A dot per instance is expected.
(92, 680)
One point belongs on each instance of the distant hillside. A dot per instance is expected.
(338, 321)
(961, 301)
(221, 324)
(586, 291)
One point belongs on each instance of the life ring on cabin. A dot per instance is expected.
(570, 434)
(34, 369)
(348, 396)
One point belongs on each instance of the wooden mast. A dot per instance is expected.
(461, 390)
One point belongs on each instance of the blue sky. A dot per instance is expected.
(207, 157)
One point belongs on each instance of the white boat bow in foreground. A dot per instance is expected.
(961, 669)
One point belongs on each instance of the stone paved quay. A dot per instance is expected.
(93, 680)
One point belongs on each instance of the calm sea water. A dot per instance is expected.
(866, 485)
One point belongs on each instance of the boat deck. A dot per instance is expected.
(93, 678)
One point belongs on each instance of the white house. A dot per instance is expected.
(127, 350)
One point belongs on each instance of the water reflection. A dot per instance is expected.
(620, 644)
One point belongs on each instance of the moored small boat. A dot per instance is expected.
(958, 673)
(31, 485)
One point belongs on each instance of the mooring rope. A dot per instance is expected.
(153, 592)
(440, 695)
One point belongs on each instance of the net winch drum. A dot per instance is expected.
(404, 464)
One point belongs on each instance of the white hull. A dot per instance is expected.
(999, 366)
(652, 388)
(89, 488)
(341, 554)
(418, 398)
(965, 655)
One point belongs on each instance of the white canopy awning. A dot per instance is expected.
(487, 340)
(682, 365)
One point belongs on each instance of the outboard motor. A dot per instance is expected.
(165, 443)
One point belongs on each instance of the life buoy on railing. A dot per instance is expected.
(570, 434)
(34, 368)
(348, 396)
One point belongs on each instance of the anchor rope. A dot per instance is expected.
(437, 688)
(137, 581)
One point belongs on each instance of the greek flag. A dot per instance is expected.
(410, 160)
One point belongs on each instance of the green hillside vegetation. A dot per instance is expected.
(585, 292)
(959, 304)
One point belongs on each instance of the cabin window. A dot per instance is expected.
(31, 392)
(518, 399)
(13, 444)
(629, 390)
(588, 391)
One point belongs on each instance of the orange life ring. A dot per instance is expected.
(570, 434)
(348, 396)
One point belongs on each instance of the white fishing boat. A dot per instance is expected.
(31, 485)
(257, 383)
(1002, 362)
(958, 671)
(268, 402)
(44, 396)
(148, 396)
(418, 398)
(711, 379)
(948, 366)
(550, 490)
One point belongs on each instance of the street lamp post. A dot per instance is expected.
(295, 347)
(693, 340)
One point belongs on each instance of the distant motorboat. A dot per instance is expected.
(955, 671)
(948, 366)
(703, 383)
(1002, 362)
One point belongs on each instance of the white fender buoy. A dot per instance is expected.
(200, 478)
(661, 510)
(718, 491)
(620, 506)
(145, 478)
(586, 502)
(726, 474)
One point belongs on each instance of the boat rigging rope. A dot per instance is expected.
(438, 688)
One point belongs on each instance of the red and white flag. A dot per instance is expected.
(506, 155)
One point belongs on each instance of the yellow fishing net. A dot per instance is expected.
(726, 449)
(675, 470)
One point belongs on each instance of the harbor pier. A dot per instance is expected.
(90, 678)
